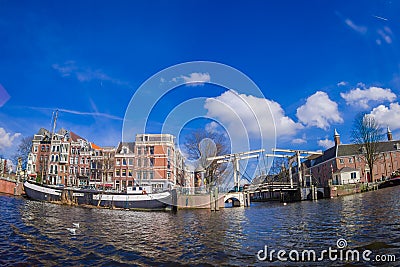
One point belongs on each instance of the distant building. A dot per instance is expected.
(339, 161)
(158, 163)
(66, 158)
(3, 167)
(124, 165)
(62, 158)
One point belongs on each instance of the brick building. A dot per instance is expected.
(68, 159)
(347, 158)
(62, 158)
(124, 160)
(158, 163)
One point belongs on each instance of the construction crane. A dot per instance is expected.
(234, 158)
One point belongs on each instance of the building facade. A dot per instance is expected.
(323, 168)
(66, 158)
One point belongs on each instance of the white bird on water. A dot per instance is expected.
(76, 225)
(72, 230)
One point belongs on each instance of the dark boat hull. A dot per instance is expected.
(390, 183)
(158, 201)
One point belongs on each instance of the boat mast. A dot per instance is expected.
(53, 129)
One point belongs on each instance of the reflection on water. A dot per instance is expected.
(36, 233)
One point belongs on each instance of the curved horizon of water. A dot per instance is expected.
(35, 233)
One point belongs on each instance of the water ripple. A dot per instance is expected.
(35, 233)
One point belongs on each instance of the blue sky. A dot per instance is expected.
(317, 63)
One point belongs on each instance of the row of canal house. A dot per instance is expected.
(344, 163)
(68, 159)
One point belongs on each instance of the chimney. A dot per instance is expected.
(336, 137)
(389, 134)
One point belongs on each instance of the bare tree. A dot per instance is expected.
(280, 169)
(367, 134)
(23, 150)
(201, 144)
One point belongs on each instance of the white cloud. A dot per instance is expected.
(361, 97)
(85, 74)
(212, 127)
(254, 113)
(357, 28)
(342, 83)
(319, 111)
(389, 116)
(385, 34)
(194, 79)
(326, 143)
(6, 139)
(298, 141)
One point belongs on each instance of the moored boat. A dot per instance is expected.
(394, 181)
(133, 198)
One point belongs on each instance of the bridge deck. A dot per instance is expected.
(268, 187)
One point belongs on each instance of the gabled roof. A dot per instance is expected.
(327, 155)
(343, 150)
(346, 169)
(94, 146)
(129, 145)
(354, 149)
(75, 137)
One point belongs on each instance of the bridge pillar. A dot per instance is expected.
(214, 205)
(246, 199)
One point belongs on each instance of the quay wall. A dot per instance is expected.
(10, 187)
(197, 201)
(349, 189)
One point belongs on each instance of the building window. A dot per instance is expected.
(151, 150)
(139, 175)
(35, 149)
(130, 173)
(124, 173)
(118, 162)
(144, 175)
(139, 163)
(117, 173)
(139, 151)
(144, 162)
(151, 162)
(130, 162)
(353, 175)
(129, 183)
(341, 161)
(151, 175)
(124, 162)
(350, 160)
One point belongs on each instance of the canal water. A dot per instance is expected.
(35, 234)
